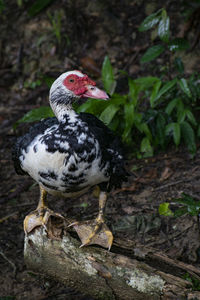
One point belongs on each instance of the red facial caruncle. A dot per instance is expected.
(83, 86)
(78, 85)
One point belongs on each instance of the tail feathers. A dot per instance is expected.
(15, 157)
(118, 172)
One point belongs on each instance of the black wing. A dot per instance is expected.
(111, 148)
(24, 141)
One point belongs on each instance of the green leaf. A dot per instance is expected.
(137, 118)
(191, 117)
(133, 91)
(189, 137)
(37, 6)
(129, 120)
(191, 206)
(150, 21)
(146, 82)
(152, 53)
(178, 44)
(184, 86)
(179, 65)
(129, 114)
(171, 105)
(146, 147)
(180, 110)
(143, 127)
(165, 88)
(108, 76)
(163, 27)
(154, 93)
(180, 212)
(165, 210)
(160, 129)
(176, 132)
(35, 115)
(93, 106)
(108, 114)
(181, 113)
(48, 80)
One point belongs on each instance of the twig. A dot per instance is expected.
(170, 184)
(10, 262)
(8, 216)
(24, 204)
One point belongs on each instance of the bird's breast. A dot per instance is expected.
(66, 164)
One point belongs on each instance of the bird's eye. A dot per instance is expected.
(92, 88)
(71, 80)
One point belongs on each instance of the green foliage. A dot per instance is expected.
(35, 115)
(165, 210)
(150, 116)
(162, 21)
(56, 24)
(168, 116)
(108, 76)
(20, 3)
(2, 6)
(195, 282)
(155, 112)
(38, 6)
(48, 80)
(32, 84)
(150, 21)
(188, 206)
(152, 53)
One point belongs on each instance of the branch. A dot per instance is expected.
(138, 273)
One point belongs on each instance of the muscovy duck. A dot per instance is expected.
(69, 153)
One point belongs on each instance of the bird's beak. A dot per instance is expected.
(94, 92)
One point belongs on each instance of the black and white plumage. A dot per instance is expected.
(71, 152)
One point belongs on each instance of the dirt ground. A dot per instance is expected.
(30, 50)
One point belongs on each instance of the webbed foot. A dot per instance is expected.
(94, 232)
(39, 217)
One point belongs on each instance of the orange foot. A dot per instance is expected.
(94, 232)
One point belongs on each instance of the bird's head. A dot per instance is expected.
(74, 85)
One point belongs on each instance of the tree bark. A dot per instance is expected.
(127, 272)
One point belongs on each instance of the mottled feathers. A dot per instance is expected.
(80, 136)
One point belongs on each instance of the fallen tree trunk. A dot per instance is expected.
(127, 272)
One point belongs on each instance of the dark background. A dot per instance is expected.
(32, 51)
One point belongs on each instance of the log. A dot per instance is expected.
(127, 272)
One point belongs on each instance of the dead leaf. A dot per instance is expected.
(131, 188)
(166, 174)
(90, 65)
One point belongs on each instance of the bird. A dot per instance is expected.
(70, 153)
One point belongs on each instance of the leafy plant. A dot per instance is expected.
(188, 206)
(35, 114)
(32, 84)
(195, 282)
(161, 20)
(155, 112)
(56, 24)
(152, 114)
(38, 6)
